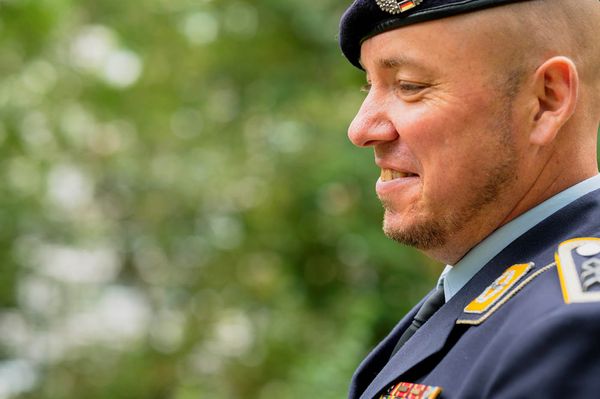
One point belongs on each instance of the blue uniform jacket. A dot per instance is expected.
(534, 344)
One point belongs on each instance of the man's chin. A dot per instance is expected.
(424, 236)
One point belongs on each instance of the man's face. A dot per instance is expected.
(439, 117)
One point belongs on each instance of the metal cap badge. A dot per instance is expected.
(397, 6)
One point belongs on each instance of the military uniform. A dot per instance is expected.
(526, 325)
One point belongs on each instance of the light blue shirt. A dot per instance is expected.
(455, 277)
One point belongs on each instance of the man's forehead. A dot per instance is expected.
(368, 18)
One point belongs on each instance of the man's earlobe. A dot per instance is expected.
(556, 88)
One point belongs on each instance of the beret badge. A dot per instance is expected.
(397, 6)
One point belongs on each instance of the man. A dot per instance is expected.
(483, 117)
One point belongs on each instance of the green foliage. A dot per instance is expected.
(182, 215)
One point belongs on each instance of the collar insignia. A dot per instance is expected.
(413, 391)
(494, 292)
(578, 263)
(500, 292)
(397, 6)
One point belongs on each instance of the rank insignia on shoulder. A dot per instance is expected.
(411, 391)
(578, 264)
(500, 291)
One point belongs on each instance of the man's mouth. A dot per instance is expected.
(390, 174)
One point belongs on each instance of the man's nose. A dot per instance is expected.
(371, 126)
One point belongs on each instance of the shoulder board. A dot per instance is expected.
(499, 292)
(578, 262)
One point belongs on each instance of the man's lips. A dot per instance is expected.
(391, 174)
(395, 183)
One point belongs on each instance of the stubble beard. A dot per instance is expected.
(433, 232)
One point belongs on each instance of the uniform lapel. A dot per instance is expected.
(428, 340)
(432, 336)
(379, 356)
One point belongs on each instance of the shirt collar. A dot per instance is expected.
(455, 277)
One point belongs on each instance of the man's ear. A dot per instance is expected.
(556, 85)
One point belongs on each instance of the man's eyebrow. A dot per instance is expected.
(397, 62)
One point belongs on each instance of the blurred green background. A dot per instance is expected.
(181, 214)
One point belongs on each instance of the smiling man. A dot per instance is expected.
(483, 117)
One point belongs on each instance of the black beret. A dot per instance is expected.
(367, 18)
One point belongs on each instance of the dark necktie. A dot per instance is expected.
(429, 307)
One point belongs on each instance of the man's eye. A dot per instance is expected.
(410, 88)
